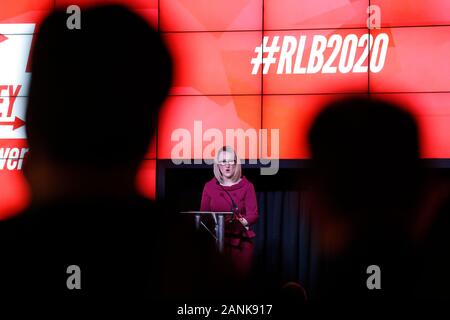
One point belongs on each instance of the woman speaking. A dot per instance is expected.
(230, 191)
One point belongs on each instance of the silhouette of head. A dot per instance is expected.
(95, 92)
(366, 156)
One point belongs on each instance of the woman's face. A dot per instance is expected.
(227, 164)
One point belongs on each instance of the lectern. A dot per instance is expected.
(219, 220)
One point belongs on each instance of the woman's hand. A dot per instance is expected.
(244, 222)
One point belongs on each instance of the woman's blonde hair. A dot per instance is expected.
(237, 171)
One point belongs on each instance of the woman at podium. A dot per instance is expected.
(229, 190)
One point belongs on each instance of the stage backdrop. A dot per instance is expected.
(254, 65)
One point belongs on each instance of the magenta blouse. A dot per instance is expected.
(215, 198)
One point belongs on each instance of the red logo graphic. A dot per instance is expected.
(17, 123)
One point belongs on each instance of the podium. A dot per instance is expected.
(219, 219)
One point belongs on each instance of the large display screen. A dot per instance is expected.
(250, 66)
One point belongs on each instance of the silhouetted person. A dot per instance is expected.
(434, 278)
(94, 99)
(365, 155)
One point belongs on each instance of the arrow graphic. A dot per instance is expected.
(17, 123)
(3, 37)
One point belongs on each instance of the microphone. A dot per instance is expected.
(234, 207)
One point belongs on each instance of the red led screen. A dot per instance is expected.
(200, 120)
(292, 115)
(416, 61)
(214, 63)
(146, 8)
(315, 61)
(413, 12)
(250, 66)
(206, 15)
(295, 14)
(433, 115)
